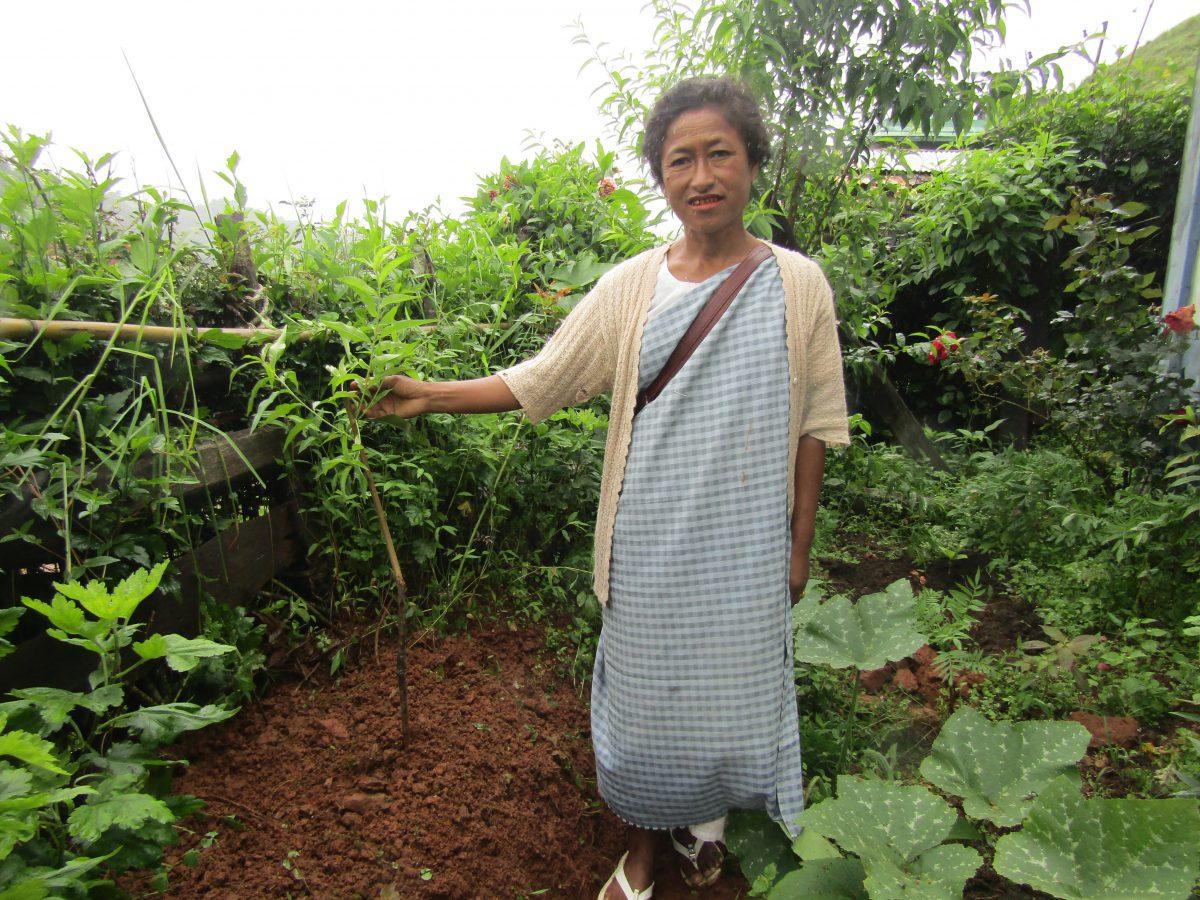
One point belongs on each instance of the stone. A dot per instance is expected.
(1105, 730)
(905, 680)
(874, 679)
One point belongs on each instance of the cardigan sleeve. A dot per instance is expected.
(577, 363)
(824, 412)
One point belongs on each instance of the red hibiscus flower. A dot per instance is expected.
(1181, 320)
(941, 346)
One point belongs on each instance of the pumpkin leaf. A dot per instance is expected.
(998, 769)
(1103, 849)
(878, 629)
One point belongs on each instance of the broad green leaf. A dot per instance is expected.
(119, 602)
(55, 706)
(38, 881)
(222, 338)
(182, 654)
(14, 782)
(897, 832)
(162, 724)
(939, 873)
(810, 846)
(579, 273)
(31, 749)
(66, 617)
(998, 769)
(762, 847)
(878, 629)
(9, 618)
(88, 822)
(16, 829)
(822, 879)
(1104, 849)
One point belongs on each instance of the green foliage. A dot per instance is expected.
(998, 768)
(898, 833)
(88, 797)
(863, 635)
(1169, 57)
(1099, 849)
(828, 76)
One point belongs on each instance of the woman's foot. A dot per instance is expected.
(636, 868)
(630, 881)
(699, 861)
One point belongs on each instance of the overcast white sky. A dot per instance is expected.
(339, 100)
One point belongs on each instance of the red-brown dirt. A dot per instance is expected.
(494, 796)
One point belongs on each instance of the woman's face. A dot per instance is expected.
(706, 171)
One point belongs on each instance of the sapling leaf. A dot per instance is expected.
(91, 820)
(897, 831)
(998, 769)
(162, 724)
(822, 879)
(55, 705)
(120, 601)
(66, 617)
(1103, 849)
(878, 629)
(29, 748)
(182, 654)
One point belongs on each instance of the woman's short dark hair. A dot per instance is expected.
(736, 103)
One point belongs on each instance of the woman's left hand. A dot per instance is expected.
(798, 575)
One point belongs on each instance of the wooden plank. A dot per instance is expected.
(217, 468)
(233, 566)
(219, 465)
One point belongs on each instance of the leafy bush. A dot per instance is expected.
(87, 790)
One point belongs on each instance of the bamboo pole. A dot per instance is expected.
(58, 329)
(394, 562)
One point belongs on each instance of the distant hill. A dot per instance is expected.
(1169, 58)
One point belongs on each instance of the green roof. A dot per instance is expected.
(1169, 58)
(913, 132)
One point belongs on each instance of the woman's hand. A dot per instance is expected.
(399, 396)
(798, 574)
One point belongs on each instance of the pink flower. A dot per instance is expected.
(1181, 320)
(1103, 667)
(606, 187)
(510, 181)
(493, 194)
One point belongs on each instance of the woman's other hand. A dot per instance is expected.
(798, 575)
(398, 395)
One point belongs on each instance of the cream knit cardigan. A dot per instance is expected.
(596, 349)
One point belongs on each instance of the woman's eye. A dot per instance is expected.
(676, 163)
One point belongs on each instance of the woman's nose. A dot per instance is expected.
(702, 176)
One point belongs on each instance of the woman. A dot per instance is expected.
(708, 495)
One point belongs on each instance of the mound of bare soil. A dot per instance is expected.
(313, 794)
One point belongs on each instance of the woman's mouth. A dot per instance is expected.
(706, 201)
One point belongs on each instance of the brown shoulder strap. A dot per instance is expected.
(705, 319)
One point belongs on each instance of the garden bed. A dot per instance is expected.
(495, 797)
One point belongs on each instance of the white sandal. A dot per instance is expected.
(692, 855)
(623, 883)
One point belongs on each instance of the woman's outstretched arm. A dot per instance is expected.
(406, 397)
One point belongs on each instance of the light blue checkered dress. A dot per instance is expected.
(693, 701)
